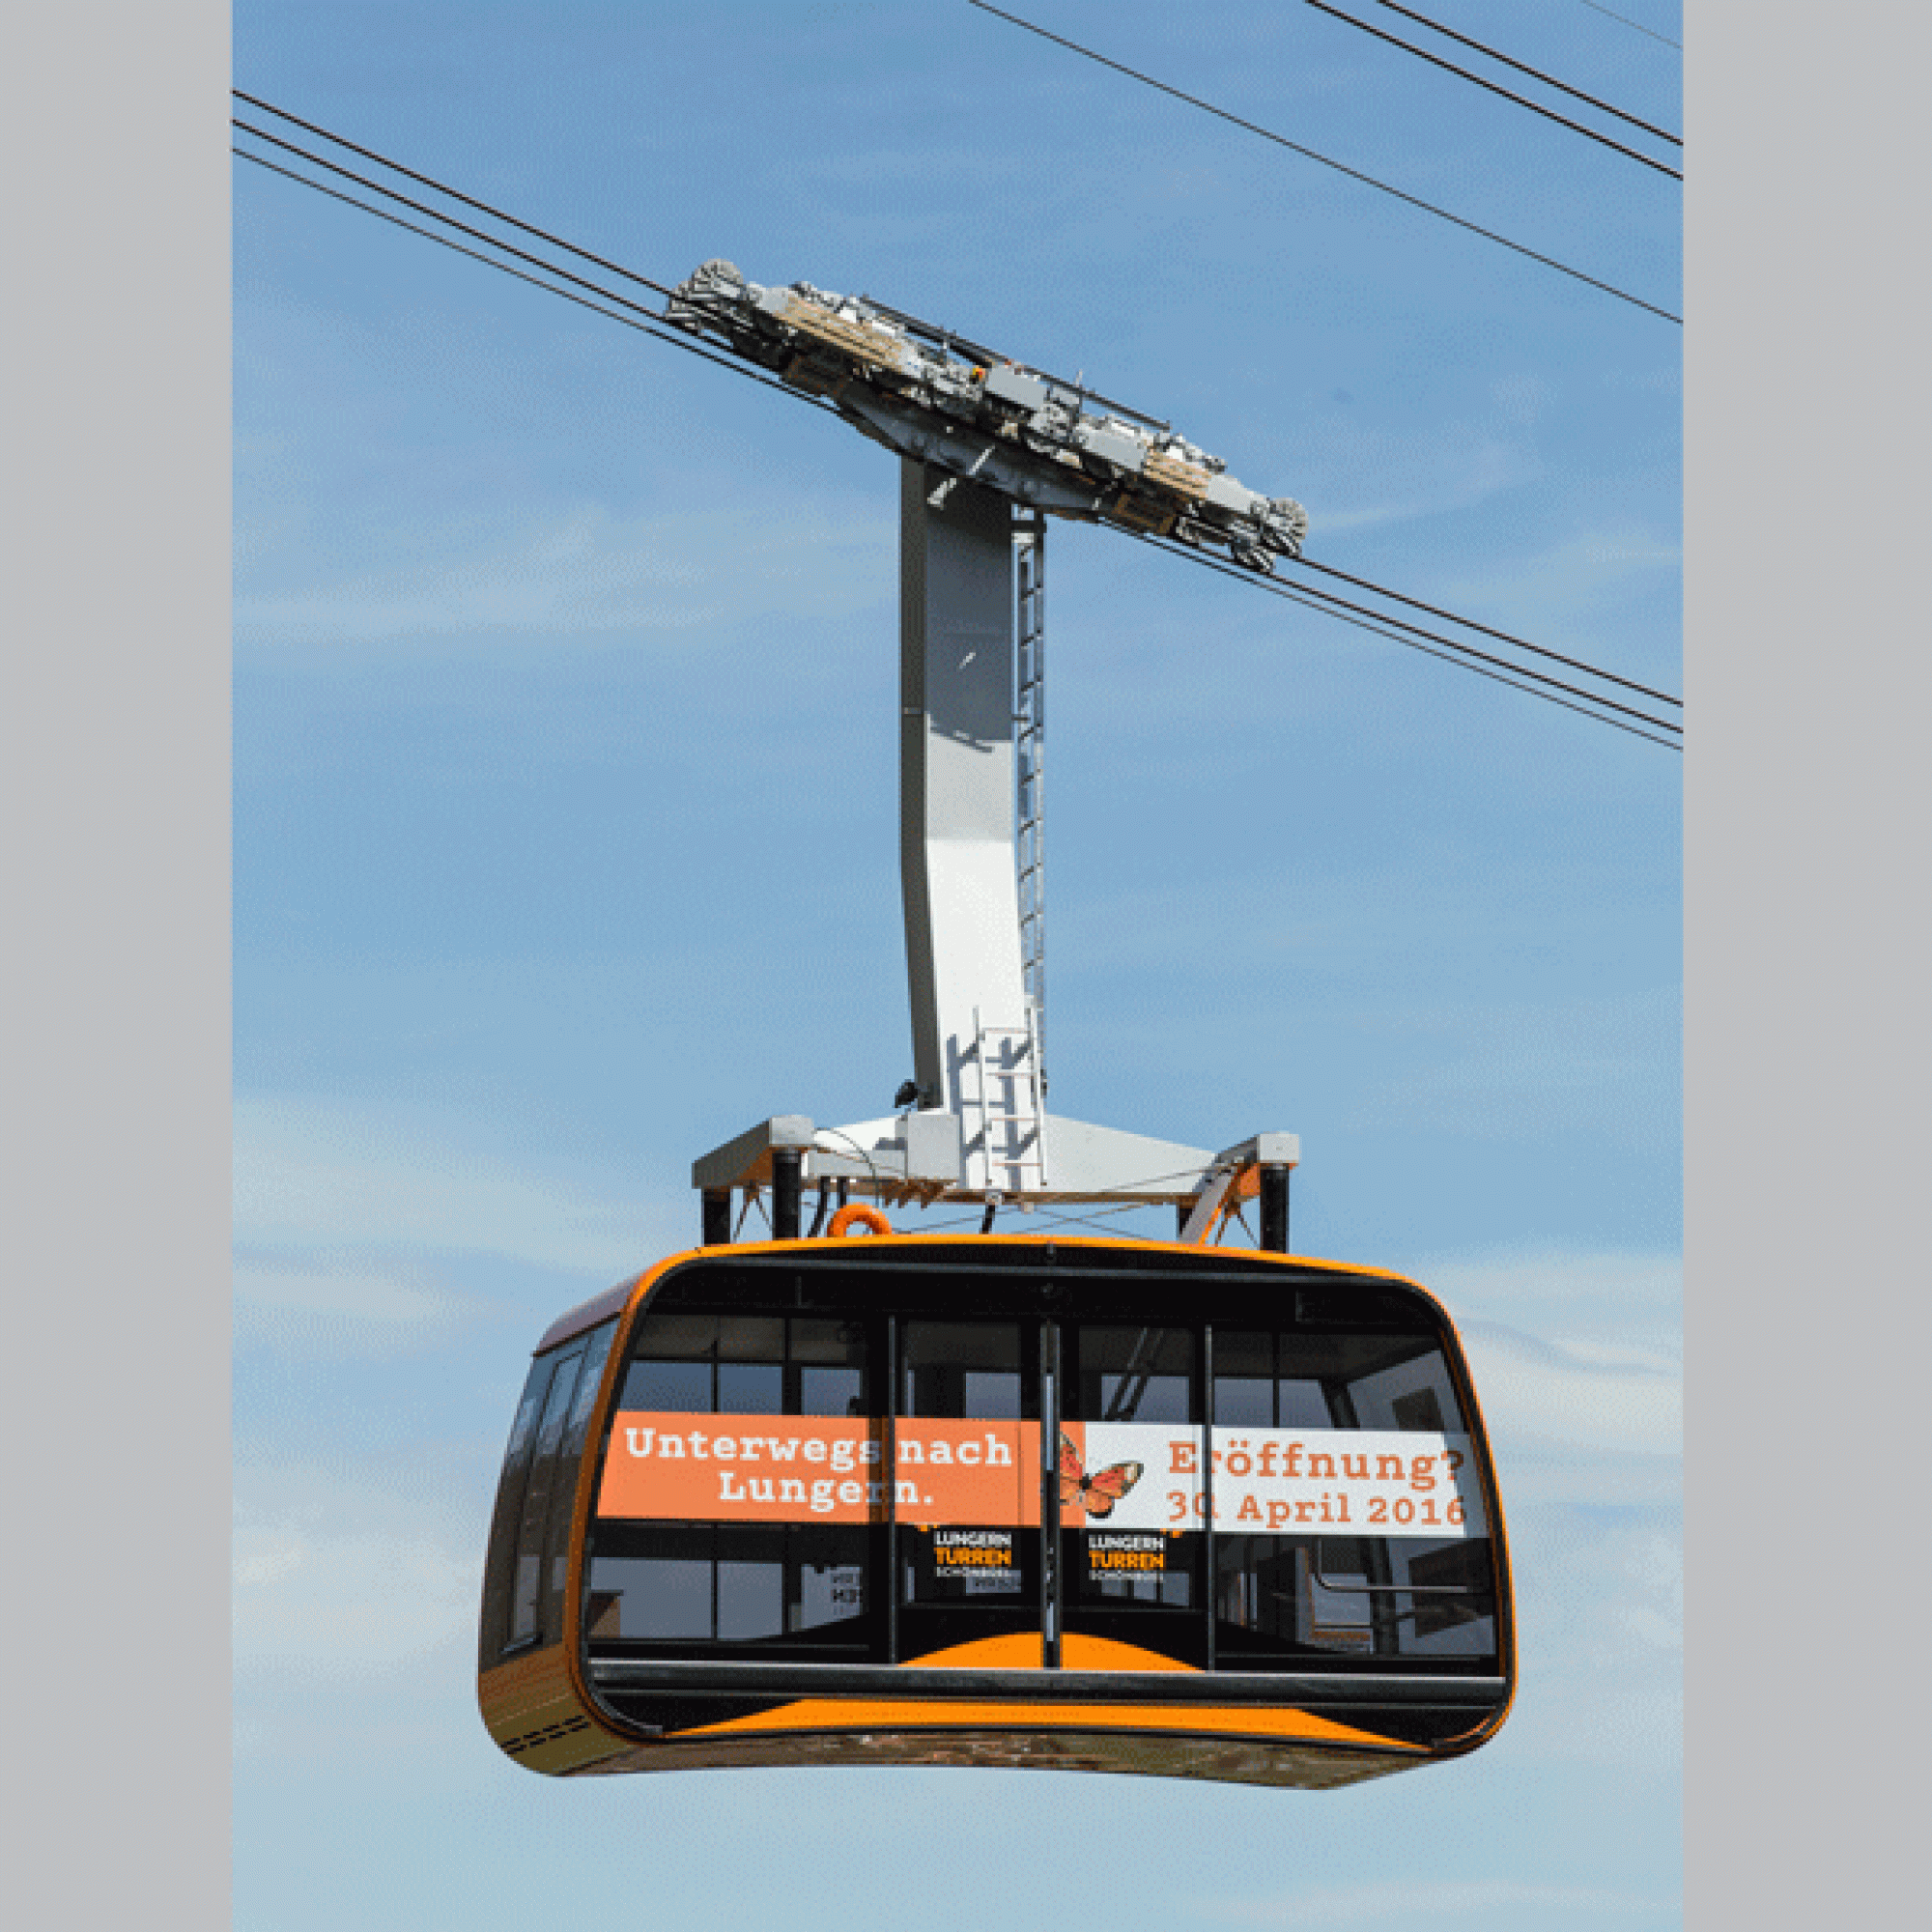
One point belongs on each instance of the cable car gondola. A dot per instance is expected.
(925, 1498)
(1105, 1505)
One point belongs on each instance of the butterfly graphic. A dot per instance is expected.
(1098, 1494)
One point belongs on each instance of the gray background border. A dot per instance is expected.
(1805, 958)
(114, 973)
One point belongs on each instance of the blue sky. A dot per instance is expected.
(565, 847)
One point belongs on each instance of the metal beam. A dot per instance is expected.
(956, 770)
(746, 1161)
(1274, 1207)
(785, 1165)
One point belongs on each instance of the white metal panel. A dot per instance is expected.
(956, 774)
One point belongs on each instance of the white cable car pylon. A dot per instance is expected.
(987, 450)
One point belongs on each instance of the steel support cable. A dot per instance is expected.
(444, 241)
(1459, 662)
(429, 181)
(1667, 42)
(1045, 1216)
(1535, 74)
(1353, 174)
(1308, 602)
(1385, 626)
(1377, 626)
(1469, 650)
(677, 341)
(437, 215)
(1464, 73)
(1470, 624)
(1309, 598)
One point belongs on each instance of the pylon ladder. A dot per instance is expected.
(1029, 768)
(1012, 1123)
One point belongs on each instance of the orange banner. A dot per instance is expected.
(982, 1473)
(796, 1469)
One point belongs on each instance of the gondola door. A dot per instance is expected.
(968, 1468)
(1133, 1496)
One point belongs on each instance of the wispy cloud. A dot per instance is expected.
(587, 568)
(1635, 1585)
(1407, 479)
(1578, 1363)
(1599, 1626)
(1610, 1399)
(1630, 1290)
(1517, 1073)
(343, 1603)
(1570, 581)
(1347, 926)
(317, 1178)
(354, 1594)
(343, 1306)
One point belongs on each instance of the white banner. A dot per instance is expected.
(1288, 1482)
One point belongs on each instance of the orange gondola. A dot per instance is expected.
(1110, 1505)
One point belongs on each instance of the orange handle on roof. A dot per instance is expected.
(856, 1214)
